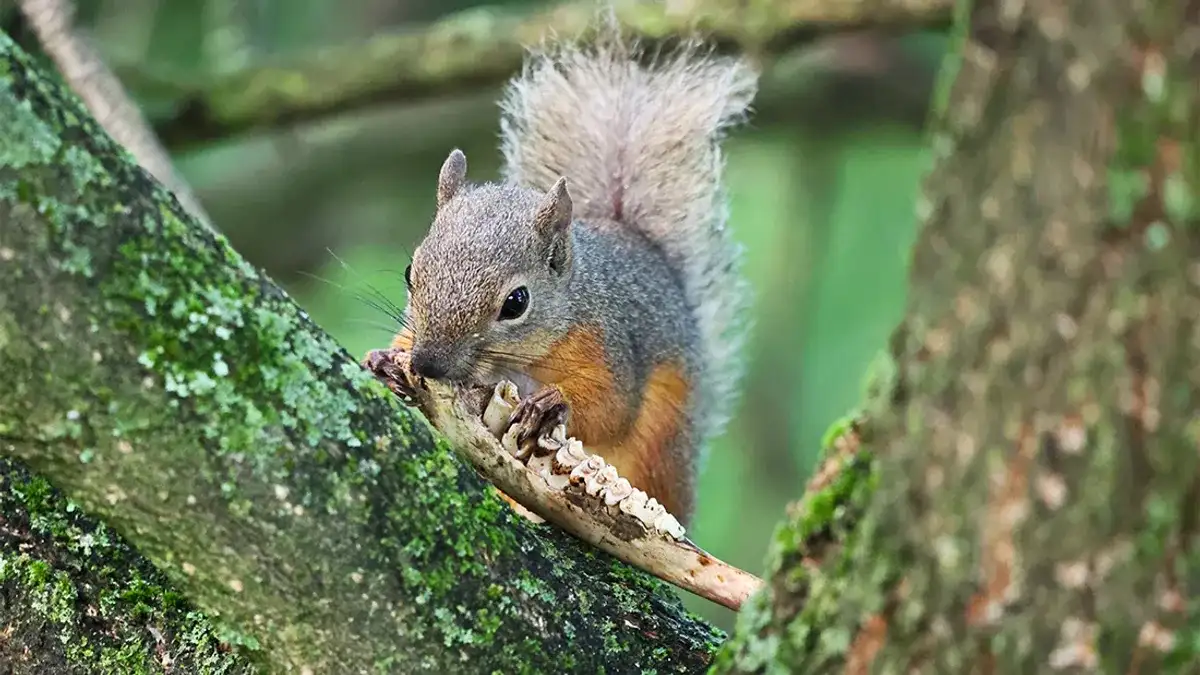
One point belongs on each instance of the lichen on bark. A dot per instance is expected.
(1036, 474)
(180, 398)
(74, 597)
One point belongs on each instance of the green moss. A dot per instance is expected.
(1157, 131)
(1126, 188)
(223, 348)
(839, 428)
(85, 589)
(787, 623)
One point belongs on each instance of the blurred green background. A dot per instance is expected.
(822, 184)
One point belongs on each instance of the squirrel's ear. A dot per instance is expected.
(553, 215)
(452, 177)
(552, 221)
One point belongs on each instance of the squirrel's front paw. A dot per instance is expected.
(538, 414)
(387, 365)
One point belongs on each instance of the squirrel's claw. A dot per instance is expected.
(387, 367)
(538, 414)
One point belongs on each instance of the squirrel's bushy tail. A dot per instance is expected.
(638, 140)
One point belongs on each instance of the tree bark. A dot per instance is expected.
(265, 504)
(1033, 502)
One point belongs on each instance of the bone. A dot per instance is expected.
(561, 461)
(500, 408)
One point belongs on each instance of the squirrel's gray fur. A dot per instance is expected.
(639, 141)
(612, 215)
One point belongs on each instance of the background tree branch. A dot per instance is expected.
(176, 393)
(106, 98)
(480, 48)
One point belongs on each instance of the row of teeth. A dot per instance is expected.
(562, 461)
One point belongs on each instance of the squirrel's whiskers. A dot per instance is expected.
(377, 299)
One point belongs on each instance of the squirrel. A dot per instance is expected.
(598, 275)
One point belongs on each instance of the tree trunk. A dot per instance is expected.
(180, 397)
(1033, 503)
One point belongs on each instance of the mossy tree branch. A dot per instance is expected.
(177, 394)
(1033, 504)
(481, 47)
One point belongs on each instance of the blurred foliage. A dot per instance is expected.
(822, 187)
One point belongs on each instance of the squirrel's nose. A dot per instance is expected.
(428, 364)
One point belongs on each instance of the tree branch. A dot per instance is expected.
(174, 392)
(74, 597)
(483, 47)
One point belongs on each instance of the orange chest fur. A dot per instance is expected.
(601, 412)
(642, 434)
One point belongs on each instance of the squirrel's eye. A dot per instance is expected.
(408, 276)
(515, 304)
